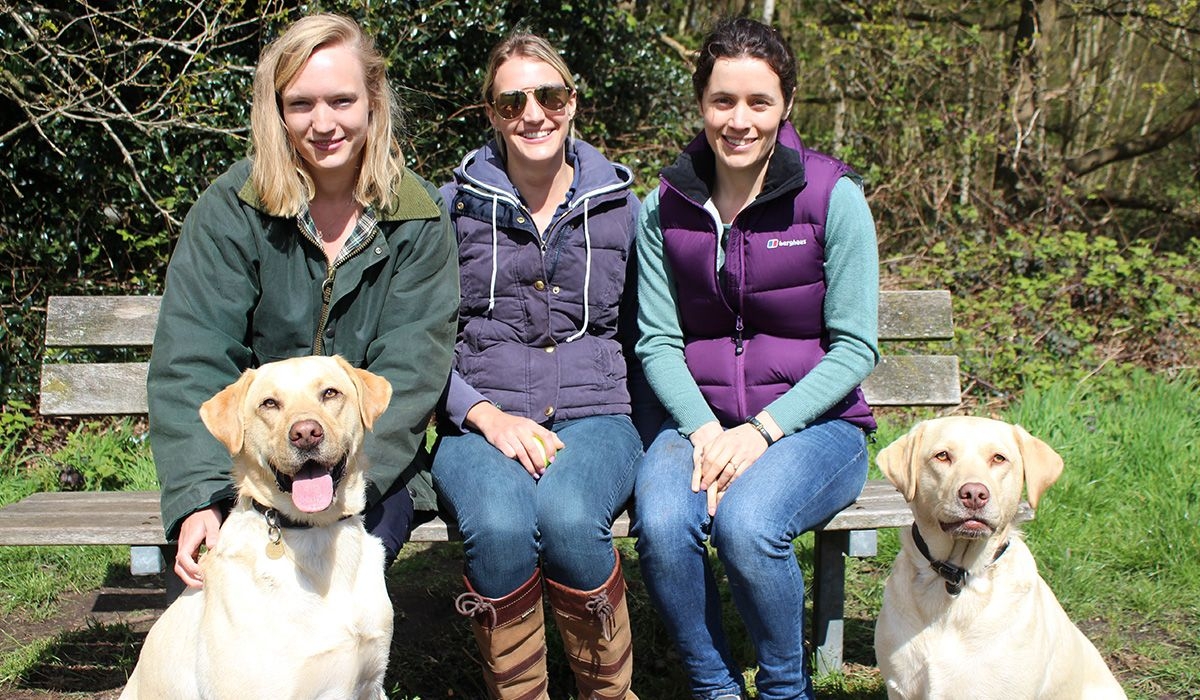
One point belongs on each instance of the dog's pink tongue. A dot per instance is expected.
(312, 489)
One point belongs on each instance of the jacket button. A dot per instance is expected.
(549, 411)
(555, 289)
(520, 219)
(539, 285)
(549, 348)
(459, 206)
(378, 251)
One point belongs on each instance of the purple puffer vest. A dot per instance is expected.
(754, 329)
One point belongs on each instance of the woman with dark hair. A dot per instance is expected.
(321, 243)
(758, 295)
(537, 451)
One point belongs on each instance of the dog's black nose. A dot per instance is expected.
(306, 434)
(974, 495)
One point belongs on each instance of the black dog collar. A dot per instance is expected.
(956, 576)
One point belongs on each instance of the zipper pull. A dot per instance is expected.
(737, 339)
(326, 295)
(327, 285)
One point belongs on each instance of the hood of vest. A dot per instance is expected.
(483, 173)
(694, 172)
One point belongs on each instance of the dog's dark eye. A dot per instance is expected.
(331, 393)
(999, 458)
(942, 456)
(269, 403)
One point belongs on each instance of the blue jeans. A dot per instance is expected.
(798, 482)
(509, 520)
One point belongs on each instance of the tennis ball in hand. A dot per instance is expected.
(542, 447)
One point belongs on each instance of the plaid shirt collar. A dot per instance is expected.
(360, 237)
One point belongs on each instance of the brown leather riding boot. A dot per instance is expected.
(511, 636)
(594, 626)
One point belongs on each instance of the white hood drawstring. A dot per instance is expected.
(495, 255)
(587, 275)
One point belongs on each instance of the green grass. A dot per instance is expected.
(110, 455)
(1116, 538)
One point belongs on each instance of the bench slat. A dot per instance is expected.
(128, 321)
(101, 321)
(91, 502)
(921, 314)
(914, 380)
(132, 517)
(92, 389)
(83, 517)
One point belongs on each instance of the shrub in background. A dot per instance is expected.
(1034, 306)
(125, 113)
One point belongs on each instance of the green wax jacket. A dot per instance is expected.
(245, 288)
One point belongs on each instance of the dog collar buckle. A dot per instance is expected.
(955, 576)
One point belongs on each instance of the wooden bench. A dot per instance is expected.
(132, 518)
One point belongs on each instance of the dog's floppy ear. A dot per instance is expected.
(1042, 464)
(374, 392)
(222, 414)
(901, 460)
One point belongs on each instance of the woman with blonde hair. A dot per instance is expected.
(537, 448)
(322, 242)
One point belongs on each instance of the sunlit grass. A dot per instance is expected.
(1116, 538)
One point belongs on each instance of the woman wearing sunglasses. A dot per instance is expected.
(537, 449)
(758, 290)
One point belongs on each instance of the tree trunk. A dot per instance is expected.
(768, 13)
(1023, 104)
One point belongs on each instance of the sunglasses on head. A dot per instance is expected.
(511, 104)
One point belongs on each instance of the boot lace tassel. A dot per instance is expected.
(472, 605)
(600, 606)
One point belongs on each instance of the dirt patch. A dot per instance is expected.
(93, 638)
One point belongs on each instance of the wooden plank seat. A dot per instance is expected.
(72, 388)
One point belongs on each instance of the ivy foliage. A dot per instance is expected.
(114, 120)
(115, 116)
(1034, 309)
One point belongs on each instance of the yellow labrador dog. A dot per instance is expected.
(965, 613)
(293, 603)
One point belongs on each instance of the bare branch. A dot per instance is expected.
(1125, 150)
(102, 66)
(688, 56)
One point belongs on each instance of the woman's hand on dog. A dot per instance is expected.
(516, 437)
(200, 528)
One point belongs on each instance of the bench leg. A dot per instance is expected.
(145, 560)
(173, 584)
(829, 591)
(863, 544)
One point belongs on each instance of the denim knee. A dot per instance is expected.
(501, 553)
(743, 537)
